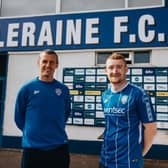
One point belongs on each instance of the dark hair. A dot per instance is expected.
(50, 52)
(117, 56)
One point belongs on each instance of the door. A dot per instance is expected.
(3, 76)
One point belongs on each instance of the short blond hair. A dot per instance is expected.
(117, 56)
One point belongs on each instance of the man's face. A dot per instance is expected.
(116, 70)
(48, 64)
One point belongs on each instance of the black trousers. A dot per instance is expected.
(101, 166)
(55, 158)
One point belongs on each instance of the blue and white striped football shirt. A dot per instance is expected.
(125, 111)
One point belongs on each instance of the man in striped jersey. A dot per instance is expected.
(130, 119)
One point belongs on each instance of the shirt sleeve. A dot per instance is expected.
(20, 108)
(145, 108)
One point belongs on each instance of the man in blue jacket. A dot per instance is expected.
(130, 119)
(41, 111)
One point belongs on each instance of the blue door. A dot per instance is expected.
(3, 75)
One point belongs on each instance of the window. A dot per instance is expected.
(102, 56)
(86, 5)
(144, 3)
(142, 57)
(27, 7)
(0, 6)
(132, 58)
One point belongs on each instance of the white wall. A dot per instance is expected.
(75, 59)
(160, 57)
(21, 68)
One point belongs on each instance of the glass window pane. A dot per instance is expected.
(141, 3)
(141, 57)
(27, 7)
(0, 7)
(85, 5)
(102, 56)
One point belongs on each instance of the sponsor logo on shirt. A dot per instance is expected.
(36, 92)
(117, 111)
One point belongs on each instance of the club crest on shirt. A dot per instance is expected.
(124, 99)
(58, 91)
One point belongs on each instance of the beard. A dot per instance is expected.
(116, 78)
(115, 81)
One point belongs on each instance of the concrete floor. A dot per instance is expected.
(10, 158)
